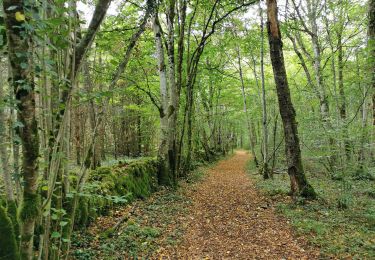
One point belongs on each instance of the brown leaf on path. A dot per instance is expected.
(231, 220)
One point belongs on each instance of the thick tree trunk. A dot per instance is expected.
(299, 184)
(164, 176)
(4, 157)
(371, 44)
(20, 57)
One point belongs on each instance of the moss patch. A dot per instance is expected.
(8, 248)
(30, 206)
(118, 184)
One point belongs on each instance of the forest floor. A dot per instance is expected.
(230, 219)
(221, 216)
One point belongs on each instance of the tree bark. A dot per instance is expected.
(266, 173)
(163, 177)
(371, 44)
(4, 158)
(21, 62)
(248, 122)
(173, 92)
(299, 184)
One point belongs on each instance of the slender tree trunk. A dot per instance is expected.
(21, 61)
(180, 59)
(266, 172)
(248, 120)
(343, 112)
(173, 93)
(92, 116)
(299, 184)
(189, 120)
(361, 155)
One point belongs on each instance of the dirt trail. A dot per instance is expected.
(231, 220)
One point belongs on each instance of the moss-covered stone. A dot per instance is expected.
(8, 248)
(132, 180)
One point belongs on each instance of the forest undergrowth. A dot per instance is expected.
(341, 221)
(216, 211)
(143, 229)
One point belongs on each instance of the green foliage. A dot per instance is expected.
(341, 222)
(8, 242)
(134, 239)
(154, 224)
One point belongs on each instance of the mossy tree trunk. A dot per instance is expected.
(168, 101)
(371, 44)
(4, 158)
(299, 184)
(21, 63)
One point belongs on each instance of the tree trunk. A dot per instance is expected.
(342, 107)
(173, 93)
(371, 44)
(180, 58)
(266, 173)
(4, 158)
(248, 122)
(20, 57)
(299, 184)
(164, 176)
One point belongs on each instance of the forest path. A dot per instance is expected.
(231, 220)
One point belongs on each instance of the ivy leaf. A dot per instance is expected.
(63, 223)
(24, 65)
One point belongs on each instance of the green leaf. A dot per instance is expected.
(55, 234)
(63, 223)
(24, 65)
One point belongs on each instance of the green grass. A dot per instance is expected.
(341, 222)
